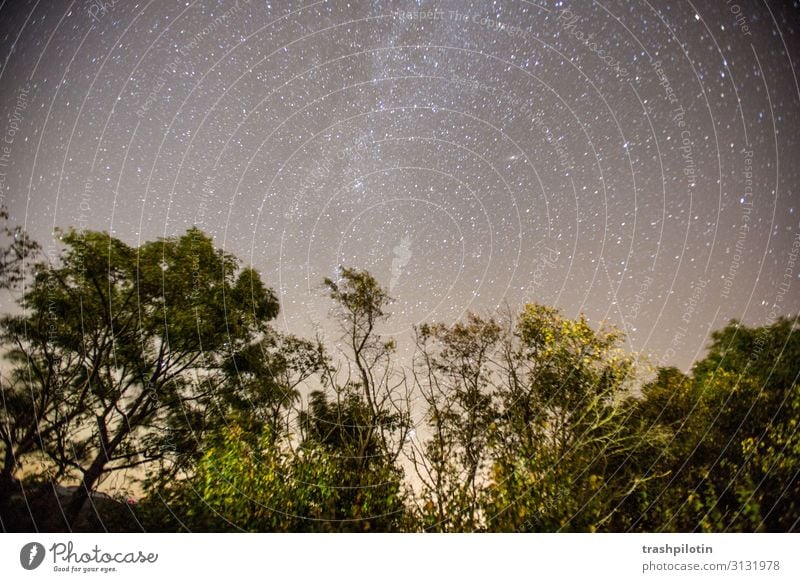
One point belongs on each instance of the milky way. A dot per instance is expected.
(635, 161)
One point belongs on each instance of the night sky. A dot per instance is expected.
(636, 161)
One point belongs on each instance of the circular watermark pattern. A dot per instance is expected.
(384, 265)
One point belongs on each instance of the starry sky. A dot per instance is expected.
(636, 161)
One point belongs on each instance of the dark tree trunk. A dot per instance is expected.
(78, 499)
(8, 484)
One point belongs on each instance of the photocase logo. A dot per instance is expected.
(31, 555)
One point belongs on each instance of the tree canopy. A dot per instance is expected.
(158, 364)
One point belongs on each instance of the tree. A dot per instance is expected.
(239, 485)
(267, 482)
(361, 416)
(561, 439)
(17, 252)
(338, 471)
(731, 462)
(118, 345)
(359, 308)
(263, 380)
(455, 377)
(367, 490)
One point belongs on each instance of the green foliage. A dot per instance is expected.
(17, 252)
(562, 438)
(263, 377)
(358, 298)
(731, 460)
(161, 357)
(238, 486)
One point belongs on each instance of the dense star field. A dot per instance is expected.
(633, 161)
(399, 265)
